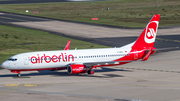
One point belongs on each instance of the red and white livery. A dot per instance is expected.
(85, 60)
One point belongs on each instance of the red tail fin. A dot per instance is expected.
(147, 37)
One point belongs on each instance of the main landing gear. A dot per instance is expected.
(18, 75)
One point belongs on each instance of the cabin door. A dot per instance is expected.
(135, 54)
(26, 60)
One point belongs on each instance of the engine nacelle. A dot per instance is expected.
(76, 68)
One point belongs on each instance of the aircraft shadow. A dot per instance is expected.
(56, 73)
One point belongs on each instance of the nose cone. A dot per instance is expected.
(4, 65)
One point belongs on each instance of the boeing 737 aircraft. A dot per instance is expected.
(85, 60)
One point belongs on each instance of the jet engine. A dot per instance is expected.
(76, 68)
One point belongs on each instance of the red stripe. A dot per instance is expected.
(57, 68)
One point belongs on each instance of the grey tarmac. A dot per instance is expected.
(89, 31)
(152, 80)
(156, 79)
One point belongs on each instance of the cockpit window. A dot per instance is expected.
(10, 59)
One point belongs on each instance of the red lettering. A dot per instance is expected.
(70, 56)
(59, 58)
(54, 58)
(32, 58)
(38, 58)
(42, 58)
(63, 57)
(46, 59)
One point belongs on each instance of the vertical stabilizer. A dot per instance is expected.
(148, 36)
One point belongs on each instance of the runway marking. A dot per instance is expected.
(12, 85)
(143, 85)
(30, 85)
(176, 40)
(149, 69)
(8, 91)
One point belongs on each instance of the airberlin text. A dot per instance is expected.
(54, 58)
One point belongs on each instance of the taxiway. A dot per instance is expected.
(156, 79)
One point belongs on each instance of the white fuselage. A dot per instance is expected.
(60, 59)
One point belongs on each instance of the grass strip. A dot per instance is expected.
(128, 13)
(14, 40)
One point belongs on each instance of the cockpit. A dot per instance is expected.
(10, 63)
(12, 59)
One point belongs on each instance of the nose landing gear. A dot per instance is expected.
(18, 75)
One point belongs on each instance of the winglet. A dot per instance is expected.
(67, 45)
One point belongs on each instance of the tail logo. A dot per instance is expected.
(150, 32)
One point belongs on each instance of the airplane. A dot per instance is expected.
(86, 60)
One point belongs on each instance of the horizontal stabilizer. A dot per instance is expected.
(146, 55)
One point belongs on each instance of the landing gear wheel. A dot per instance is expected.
(18, 75)
(90, 72)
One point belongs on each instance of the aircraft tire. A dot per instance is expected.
(90, 72)
(18, 75)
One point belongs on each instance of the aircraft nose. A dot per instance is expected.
(4, 65)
